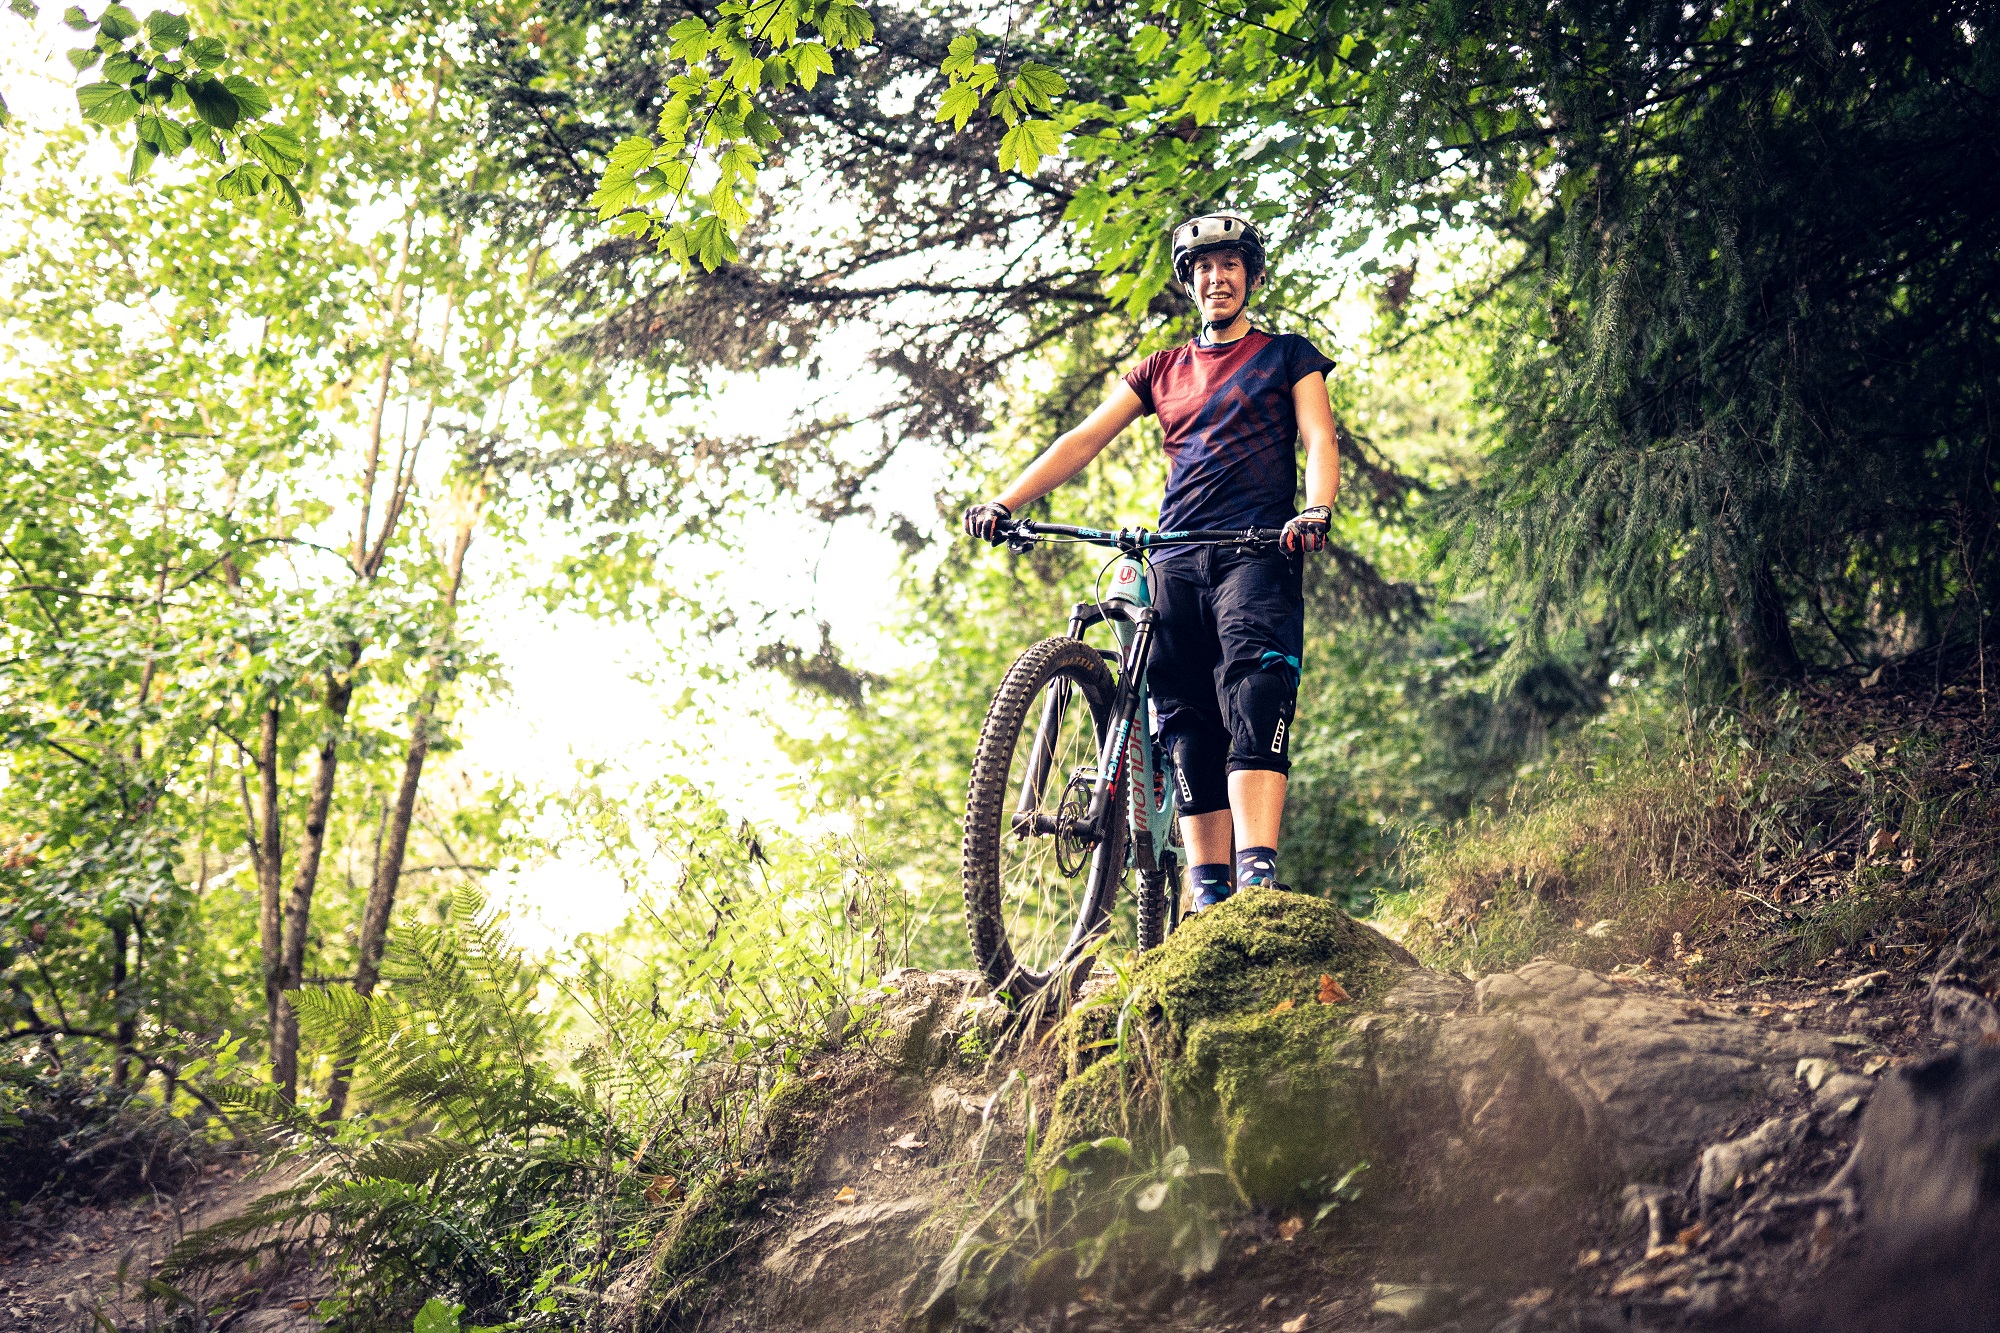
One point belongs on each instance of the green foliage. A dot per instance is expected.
(72, 1136)
(1708, 359)
(533, 1127)
(488, 1178)
(1601, 858)
(1702, 359)
(1720, 844)
(1033, 88)
(715, 107)
(147, 71)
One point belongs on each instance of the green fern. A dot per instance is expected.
(482, 1174)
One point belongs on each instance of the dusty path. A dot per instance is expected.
(81, 1267)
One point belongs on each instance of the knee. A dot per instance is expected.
(1260, 719)
(1198, 757)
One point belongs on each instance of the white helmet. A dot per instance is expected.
(1216, 231)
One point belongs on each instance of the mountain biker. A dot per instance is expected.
(1232, 405)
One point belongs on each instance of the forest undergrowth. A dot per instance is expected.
(1855, 816)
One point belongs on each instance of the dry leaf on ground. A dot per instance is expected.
(1331, 991)
(1297, 1325)
(1281, 1006)
(846, 1195)
(1290, 1228)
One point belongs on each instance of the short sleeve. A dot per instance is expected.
(1303, 359)
(1140, 378)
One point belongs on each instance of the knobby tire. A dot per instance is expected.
(1010, 723)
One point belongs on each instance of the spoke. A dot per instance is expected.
(1041, 902)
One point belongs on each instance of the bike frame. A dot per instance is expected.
(1127, 745)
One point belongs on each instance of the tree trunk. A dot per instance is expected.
(270, 865)
(298, 908)
(1766, 653)
(389, 861)
(123, 1030)
(1764, 632)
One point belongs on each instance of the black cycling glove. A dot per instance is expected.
(1307, 530)
(983, 521)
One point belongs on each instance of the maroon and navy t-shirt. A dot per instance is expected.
(1231, 433)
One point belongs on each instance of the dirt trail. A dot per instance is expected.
(81, 1267)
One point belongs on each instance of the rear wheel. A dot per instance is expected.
(1038, 889)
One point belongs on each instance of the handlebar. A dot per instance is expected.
(1022, 534)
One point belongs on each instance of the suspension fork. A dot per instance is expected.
(1117, 747)
(1042, 753)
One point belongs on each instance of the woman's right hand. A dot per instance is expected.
(983, 521)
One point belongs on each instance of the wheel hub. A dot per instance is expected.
(1074, 843)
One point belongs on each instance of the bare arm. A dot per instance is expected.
(1315, 415)
(1074, 449)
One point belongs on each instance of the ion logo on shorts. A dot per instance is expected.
(1278, 741)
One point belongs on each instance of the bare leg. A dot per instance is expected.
(1257, 801)
(1207, 838)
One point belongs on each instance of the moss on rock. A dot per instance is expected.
(1107, 1099)
(1260, 1076)
(687, 1260)
(1289, 1097)
(791, 1127)
(1261, 948)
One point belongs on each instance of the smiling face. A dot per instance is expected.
(1221, 284)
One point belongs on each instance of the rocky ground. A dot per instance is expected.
(1549, 1149)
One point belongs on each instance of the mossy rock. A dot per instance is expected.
(687, 1260)
(1260, 1076)
(1289, 1096)
(1261, 948)
(1106, 1100)
(791, 1127)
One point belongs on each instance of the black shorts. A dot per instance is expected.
(1225, 668)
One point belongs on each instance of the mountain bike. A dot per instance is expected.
(1051, 827)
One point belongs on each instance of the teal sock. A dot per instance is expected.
(1211, 884)
(1257, 868)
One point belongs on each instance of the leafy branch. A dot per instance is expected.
(1034, 87)
(148, 71)
(714, 107)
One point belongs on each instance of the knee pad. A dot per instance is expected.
(1198, 758)
(1259, 710)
